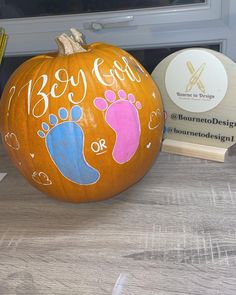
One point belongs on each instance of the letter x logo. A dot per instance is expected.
(195, 77)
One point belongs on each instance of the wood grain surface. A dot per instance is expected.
(172, 233)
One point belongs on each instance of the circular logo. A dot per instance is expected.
(196, 80)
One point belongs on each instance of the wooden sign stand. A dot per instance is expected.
(206, 152)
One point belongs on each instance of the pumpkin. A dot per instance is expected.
(82, 124)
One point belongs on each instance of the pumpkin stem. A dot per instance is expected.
(70, 44)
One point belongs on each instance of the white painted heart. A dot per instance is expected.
(12, 141)
(154, 119)
(149, 145)
(41, 178)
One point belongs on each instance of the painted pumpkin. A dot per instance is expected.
(83, 124)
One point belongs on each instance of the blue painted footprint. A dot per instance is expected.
(65, 145)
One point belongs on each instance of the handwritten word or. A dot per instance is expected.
(98, 146)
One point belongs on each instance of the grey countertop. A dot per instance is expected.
(174, 232)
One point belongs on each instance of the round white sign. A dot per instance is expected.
(196, 81)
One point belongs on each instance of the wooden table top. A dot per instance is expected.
(172, 233)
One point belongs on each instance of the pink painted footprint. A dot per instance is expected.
(122, 116)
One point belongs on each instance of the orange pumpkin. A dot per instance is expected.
(83, 124)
